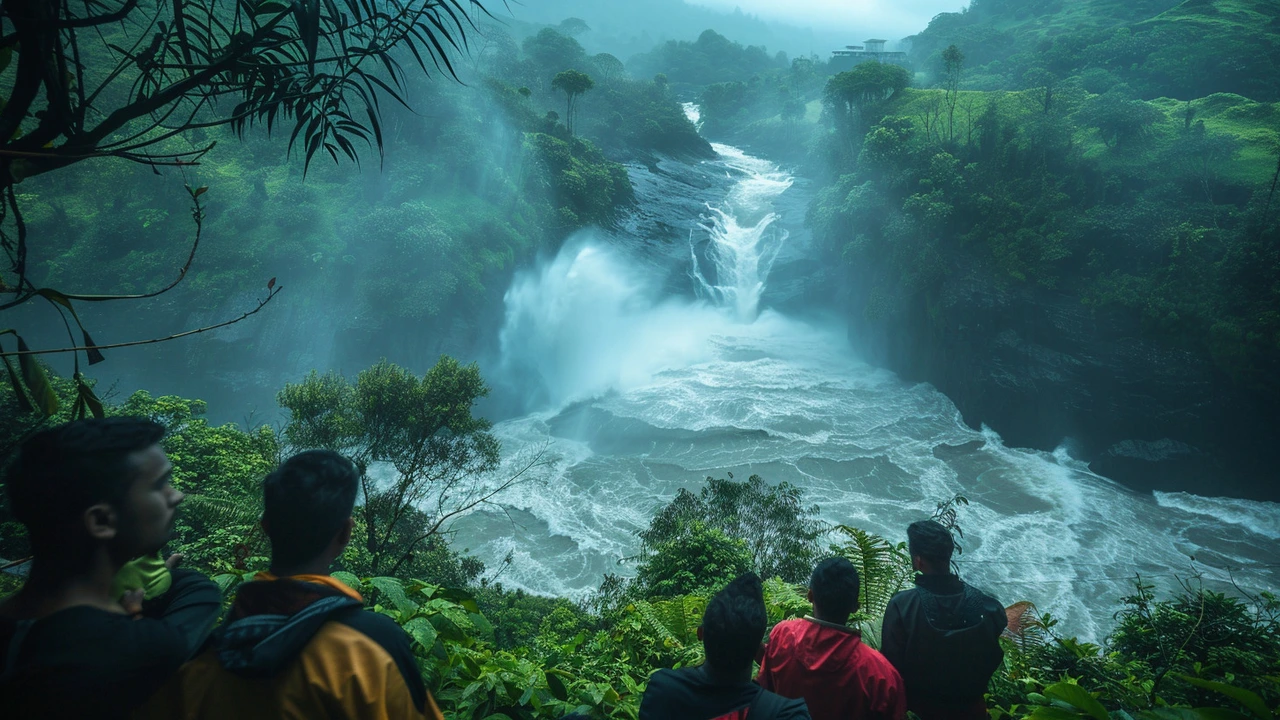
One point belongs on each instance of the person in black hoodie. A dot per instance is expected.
(943, 635)
(721, 688)
(94, 495)
(297, 642)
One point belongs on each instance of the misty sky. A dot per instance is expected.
(890, 19)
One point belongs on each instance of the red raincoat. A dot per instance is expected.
(827, 665)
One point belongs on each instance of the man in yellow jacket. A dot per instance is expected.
(297, 643)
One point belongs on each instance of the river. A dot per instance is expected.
(638, 390)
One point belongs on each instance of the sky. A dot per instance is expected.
(889, 19)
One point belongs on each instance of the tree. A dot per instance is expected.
(1041, 85)
(1119, 119)
(550, 51)
(952, 63)
(420, 432)
(699, 561)
(781, 534)
(574, 27)
(573, 84)
(123, 78)
(860, 93)
(609, 66)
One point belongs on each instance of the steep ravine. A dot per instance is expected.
(1045, 370)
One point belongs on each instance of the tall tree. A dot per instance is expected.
(573, 84)
(439, 459)
(859, 94)
(952, 64)
(120, 78)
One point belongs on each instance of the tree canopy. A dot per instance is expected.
(573, 84)
(126, 79)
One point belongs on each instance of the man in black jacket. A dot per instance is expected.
(721, 688)
(942, 635)
(94, 495)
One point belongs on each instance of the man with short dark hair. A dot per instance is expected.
(721, 688)
(94, 495)
(823, 660)
(943, 634)
(297, 643)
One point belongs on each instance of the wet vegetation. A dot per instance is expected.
(1124, 154)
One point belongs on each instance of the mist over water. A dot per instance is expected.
(637, 393)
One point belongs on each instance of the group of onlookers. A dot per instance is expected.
(939, 648)
(103, 627)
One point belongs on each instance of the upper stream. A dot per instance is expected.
(641, 391)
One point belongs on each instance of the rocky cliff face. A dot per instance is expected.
(1043, 370)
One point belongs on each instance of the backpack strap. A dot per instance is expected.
(766, 705)
(15, 647)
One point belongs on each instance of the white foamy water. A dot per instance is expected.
(646, 394)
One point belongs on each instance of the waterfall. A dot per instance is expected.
(743, 241)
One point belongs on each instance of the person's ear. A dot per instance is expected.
(699, 633)
(917, 563)
(266, 529)
(809, 596)
(102, 522)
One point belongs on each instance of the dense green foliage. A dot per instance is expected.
(474, 180)
(778, 533)
(1161, 48)
(712, 58)
(1163, 211)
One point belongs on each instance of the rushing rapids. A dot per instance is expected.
(641, 392)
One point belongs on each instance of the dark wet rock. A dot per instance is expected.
(1041, 368)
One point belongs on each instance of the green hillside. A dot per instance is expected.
(1157, 48)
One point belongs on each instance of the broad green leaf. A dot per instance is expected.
(422, 631)
(393, 590)
(1215, 713)
(42, 394)
(1052, 712)
(87, 399)
(1250, 700)
(346, 578)
(24, 403)
(557, 688)
(1079, 698)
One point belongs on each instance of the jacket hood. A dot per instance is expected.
(271, 622)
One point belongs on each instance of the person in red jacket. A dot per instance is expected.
(823, 660)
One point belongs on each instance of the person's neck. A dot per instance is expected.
(319, 566)
(58, 583)
(728, 678)
(843, 620)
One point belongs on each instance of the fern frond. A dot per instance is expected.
(883, 567)
(784, 601)
(1025, 626)
(224, 511)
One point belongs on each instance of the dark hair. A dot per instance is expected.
(60, 472)
(835, 587)
(733, 624)
(931, 541)
(305, 502)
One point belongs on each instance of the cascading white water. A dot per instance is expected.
(643, 394)
(743, 242)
